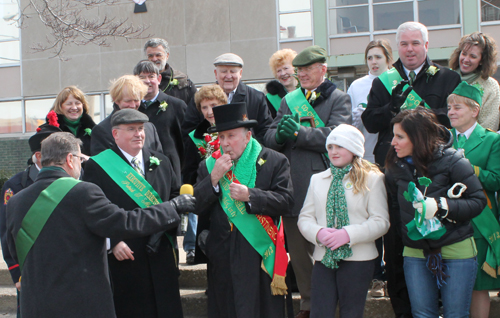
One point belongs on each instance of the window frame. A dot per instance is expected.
(279, 13)
(14, 39)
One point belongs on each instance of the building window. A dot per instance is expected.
(295, 19)
(11, 117)
(9, 32)
(36, 112)
(490, 10)
(372, 17)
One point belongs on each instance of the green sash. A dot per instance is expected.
(390, 79)
(488, 227)
(198, 142)
(129, 180)
(248, 224)
(297, 103)
(36, 217)
(275, 100)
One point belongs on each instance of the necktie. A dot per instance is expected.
(461, 141)
(412, 77)
(136, 165)
(308, 94)
(148, 103)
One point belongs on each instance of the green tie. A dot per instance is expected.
(412, 77)
(148, 103)
(461, 141)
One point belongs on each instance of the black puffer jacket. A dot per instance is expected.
(449, 167)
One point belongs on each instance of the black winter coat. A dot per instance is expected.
(433, 89)
(256, 109)
(85, 122)
(448, 167)
(183, 90)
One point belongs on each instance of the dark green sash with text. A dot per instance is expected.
(390, 79)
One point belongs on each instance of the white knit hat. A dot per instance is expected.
(348, 137)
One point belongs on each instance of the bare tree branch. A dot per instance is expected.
(68, 24)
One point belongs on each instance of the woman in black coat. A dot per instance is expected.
(443, 262)
(72, 111)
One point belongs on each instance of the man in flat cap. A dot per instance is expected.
(15, 184)
(228, 72)
(143, 270)
(173, 82)
(244, 191)
(57, 228)
(304, 121)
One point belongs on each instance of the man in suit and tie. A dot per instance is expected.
(144, 270)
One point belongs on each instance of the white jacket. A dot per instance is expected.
(368, 214)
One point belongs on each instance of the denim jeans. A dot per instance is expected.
(455, 294)
(190, 236)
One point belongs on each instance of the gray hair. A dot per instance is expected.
(146, 66)
(57, 146)
(412, 26)
(155, 42)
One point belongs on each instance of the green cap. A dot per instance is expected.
(469, 91)
(310, 55)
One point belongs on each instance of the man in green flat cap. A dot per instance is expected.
(304, 120)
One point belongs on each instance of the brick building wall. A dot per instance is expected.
(14, 154)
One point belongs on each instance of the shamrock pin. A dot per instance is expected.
(88, 131)
(153, 161)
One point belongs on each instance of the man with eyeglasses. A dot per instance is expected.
(173, 82)
(56, 230)
(17, 183)
(228, 72)
(143, 270)
(304, 120)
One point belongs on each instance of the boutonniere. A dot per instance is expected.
(314, 96)
(88, 131)
(261, 161)
(174, 82)
(431, 71)
(211, 144)
(163, 107)
(153, 162)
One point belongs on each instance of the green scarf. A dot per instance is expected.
(72, 125)
(337, 215)
(469, 78)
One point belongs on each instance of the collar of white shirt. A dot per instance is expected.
(139, 157)
(417, 70)
(468, 132)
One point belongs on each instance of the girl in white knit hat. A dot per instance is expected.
(344, 212)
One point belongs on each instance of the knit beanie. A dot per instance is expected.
(348, 137)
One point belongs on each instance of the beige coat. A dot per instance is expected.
(368, 214)
(489, 114)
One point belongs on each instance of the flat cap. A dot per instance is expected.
(128, 116)
(228, 59)
(310, 55)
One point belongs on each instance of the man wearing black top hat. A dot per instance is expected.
(15, 184)
(244, 188)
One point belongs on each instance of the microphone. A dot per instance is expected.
(185, 189)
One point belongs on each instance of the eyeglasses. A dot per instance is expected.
(303, 69)
(82, 158)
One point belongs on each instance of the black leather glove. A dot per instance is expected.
(184, 203)
(398, 98)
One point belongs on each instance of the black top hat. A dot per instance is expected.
(42, 132)
(231, 116)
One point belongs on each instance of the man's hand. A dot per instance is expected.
(222, 165)
(280, 134)
(18, 286)
(122, 252)
(291, 127)
(184, 203)
(239, 192)
(398, 98)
